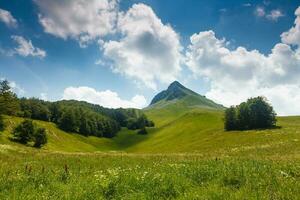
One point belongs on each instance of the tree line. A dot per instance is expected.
(255, 113)
(72, 116)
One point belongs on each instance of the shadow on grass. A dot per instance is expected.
(256, 129)
(28, 144)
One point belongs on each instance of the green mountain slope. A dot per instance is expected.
(198, 131)
(178, 93)
(192, 123)
(201, 131)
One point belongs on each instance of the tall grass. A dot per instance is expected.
(34, 175)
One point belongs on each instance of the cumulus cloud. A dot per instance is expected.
(105, 98)
(293, 35)
(148, 51)
(237, 74)
(78, 19)
(25, 48)
(7, 18)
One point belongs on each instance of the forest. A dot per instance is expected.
(72, 116)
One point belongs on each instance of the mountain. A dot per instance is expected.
(177, 92)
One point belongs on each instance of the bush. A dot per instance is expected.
(256, 113)
(24, 132)
(40, 137)
(143, 131)
(150, 124)
(27, 132)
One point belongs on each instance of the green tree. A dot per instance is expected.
(243, 116)
(142, 122)
(2, 125)
(40, 137)
(24, 132)
(35, 109)
(131, 124)
(261, 113)
(255, 113)
(9, 103)
(230, 119)
(55, 110)
(67, 121)
(84, 128)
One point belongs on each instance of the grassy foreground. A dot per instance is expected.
(186, 156)
(40, 175)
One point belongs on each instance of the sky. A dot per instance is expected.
(120, 53)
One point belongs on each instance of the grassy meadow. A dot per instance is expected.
(187, 155)
(39, 175)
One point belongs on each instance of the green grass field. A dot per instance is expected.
(187, 155)
(37, 175)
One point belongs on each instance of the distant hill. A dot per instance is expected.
(176, 92)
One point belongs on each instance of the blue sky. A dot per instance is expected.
(114, 63)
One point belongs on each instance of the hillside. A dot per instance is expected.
(198, 132)
(180, 127)
(61, 141)
(192, 123)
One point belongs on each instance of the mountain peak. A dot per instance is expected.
(175, 84)
(176, 91)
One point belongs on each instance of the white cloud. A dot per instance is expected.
(16, 88)
(293, 35)
(274, 15)
(149, 51)
(260, 11)
(7, 18)
(105, 98)
(238, 74)
(78, 19)
(25, 48)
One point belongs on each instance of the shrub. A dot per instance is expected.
(27, 132)
(150, 124)
(24, 132)
(40, 137)
(143, 131)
